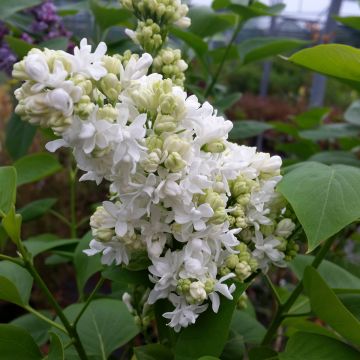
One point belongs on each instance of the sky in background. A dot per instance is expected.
(307, 9)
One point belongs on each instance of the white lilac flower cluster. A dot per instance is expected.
(203, 210)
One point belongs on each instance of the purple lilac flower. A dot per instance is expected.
(7, 58)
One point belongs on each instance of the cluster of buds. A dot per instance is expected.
(169, 63)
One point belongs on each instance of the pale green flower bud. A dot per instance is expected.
(246, 235)
(197, 291)
(174, 162)
(97, 220)
(231, 220)
(84, 107)
(285, 228)
(111, 86)
(253, 264)
(183, 286)
(267, 229)
(219, 217)
(164, 123)
(231, 261)
(224, 271)
(154, 142)
(112, 64)
(214, 147)
(242, 270)
(107, 112)
(174, 143)
(152, 161)
(209, 285)
(242, 302)
(85, 84)
(243, 199)
(238, 212)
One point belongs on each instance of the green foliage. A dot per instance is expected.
(7, 188)
(153, 352)
(36, 209)
(34, 167)
(16, 343)
(324, 198)
(244, 129)
(15, 283)
(9, 7)
(98, 337)
(56, 351)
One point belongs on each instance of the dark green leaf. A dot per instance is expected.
(45, 242)
(56, 351)
(351, 21)
(18, 46)
(7, 188)
(352, 303)
(330, 131)
(198, 340)
(262, 353)
(234, 347)
(311, 118)
(19, 136)
(72, 9)
(36, 327)
(324, 198)
(34, 167)
(336, 157)
(153, 352)
(85, 266)
(332, 311)
(247, 128)
(9, 7)
(105, 326)
(227, 101)
(17, 344)
(352, 113)
(36, 209)
(255, 49)
(15, 283)
(335, 276)
(256, 9)
(59, 43)
(205, 22)
(128, 277)
(192, 40)
(309, 346)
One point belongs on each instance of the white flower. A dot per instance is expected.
(135, 69)
(184, 314)
(223, 289)
(87, 63)
(196, 216)
(197, 291)
(284, 228)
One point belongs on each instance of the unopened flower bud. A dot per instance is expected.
(285, 228)
(197, 291)
(174, 162)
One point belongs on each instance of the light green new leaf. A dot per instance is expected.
(352, 113)
(15, 283)
(153, 352)
(36, 209)
(325, 198)
(256, 9)
(326, 305)
(7, 188)
(36, 327)
(243, 129)
(105, 326)
(309, 346)
(335, 276)
(34, 167)
(351, 21)
(85, 266)
(17, 344)
(45, 242)
(12, 225)
(336, 60)
(59, 43)
(9, 7)
(255, 49)
(56, 351)
(209, 335)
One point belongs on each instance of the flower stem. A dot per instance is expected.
(227, 50)
(12, 259)
(73, 222)
(87, 303)
(285, 307)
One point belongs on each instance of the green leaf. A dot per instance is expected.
(336, 60)
(234, 347)
(9, 7)
(12, 225)
(352, 113)
(227, 101)
(255, 49)
(352, 303)
(317, 347)
(107, 16)
(336, 157)
(247, 326)
(335, 276)
(325, 198)
(34, 167)
(205, 22)
(311, 118)
(85, 266)
(59, 43)
(208, 358)
(262, 353)
(195, 42)
(105, 326)
(72, 9)
(199, 339)
(256, 9)
(56, 351)
(332, 311)
(127, 277)
(15, 283)
(351, 21)
(17, 344)
(19, 136)
(45, 242)
(7, 188)
(36, 327)
(330, 131)
(36, 209)
(153, 352)
(18, 46)
(247, 128)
